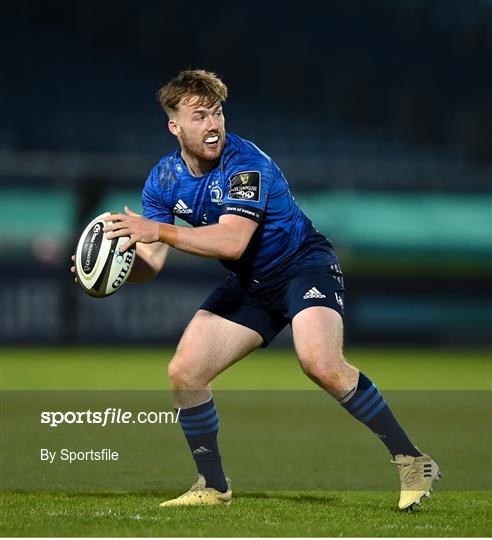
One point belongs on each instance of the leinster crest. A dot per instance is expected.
(216, 194)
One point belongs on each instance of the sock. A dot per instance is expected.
(366, 403)
(201, 425)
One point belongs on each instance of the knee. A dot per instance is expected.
(329, 373)
(181, 374)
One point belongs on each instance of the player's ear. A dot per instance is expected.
(173, 128)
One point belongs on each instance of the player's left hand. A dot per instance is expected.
(131, 224)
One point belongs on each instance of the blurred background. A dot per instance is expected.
(379, 112)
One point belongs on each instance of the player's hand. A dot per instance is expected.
(138, 228)
(72, 269)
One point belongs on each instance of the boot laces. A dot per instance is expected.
(197, 486)
(410, 473)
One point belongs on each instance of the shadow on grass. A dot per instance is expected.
(272, 495)
(295, 497)
(87, 494)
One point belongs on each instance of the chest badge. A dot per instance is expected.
(216, 193)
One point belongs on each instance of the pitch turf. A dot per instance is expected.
(266, 369)
(253, 512)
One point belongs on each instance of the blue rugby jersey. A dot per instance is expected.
(248, 183)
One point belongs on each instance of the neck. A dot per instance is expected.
(197, 166)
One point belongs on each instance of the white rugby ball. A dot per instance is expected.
(100, 267)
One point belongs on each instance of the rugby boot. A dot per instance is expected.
(416, 476)
(199, 494)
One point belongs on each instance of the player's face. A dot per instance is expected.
(200, 130)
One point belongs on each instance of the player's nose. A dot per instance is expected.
(212, 123)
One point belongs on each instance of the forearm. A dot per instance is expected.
(227, 239)
(215, 241)
(149, 261)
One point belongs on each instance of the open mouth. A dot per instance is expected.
(212, 141)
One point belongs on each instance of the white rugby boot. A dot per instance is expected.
(200, 494)
(416, 476)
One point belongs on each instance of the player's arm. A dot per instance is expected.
(227, 239)
(149, 262)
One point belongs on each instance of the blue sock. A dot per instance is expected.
(201, 425)
(366, 404)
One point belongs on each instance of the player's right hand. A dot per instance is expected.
(72, 269)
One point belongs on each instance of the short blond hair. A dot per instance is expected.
(204, 85)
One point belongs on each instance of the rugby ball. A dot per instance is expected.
(100, 267)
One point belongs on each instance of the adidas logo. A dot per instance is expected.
(428, 470)
(339, 300)
(201, 450)
(313, 293)
(181, 208)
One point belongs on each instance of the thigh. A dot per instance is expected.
(314, 303)
(318, 339)
(211, 343)
(318, 336)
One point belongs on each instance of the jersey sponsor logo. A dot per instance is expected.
(245, 186)
(181, 208)
(252, 213)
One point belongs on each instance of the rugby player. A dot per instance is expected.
(282, 271)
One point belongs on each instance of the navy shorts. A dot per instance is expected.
(267, 307)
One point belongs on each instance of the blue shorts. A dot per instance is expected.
(267, 307)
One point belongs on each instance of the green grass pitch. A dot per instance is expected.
(254, 512)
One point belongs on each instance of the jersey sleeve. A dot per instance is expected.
(154, 201)
(247, 189)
